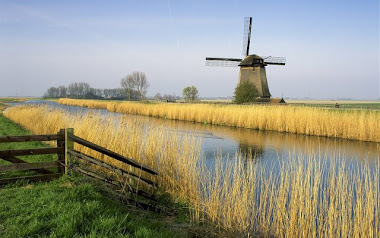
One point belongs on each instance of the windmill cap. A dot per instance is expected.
(251, 60)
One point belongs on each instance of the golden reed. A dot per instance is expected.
(309, 195)
(349, 124)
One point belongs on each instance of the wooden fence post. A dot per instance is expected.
(61, 157)
(68, 145)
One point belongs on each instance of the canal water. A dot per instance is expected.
(265, 147)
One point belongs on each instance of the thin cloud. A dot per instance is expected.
(74, 27)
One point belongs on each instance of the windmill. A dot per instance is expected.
(252, 67)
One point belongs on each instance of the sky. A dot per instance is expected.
(331, 47)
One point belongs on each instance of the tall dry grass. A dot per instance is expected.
(124, 136)
(349, 124)
(307, 195)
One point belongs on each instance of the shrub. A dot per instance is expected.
(245, 92)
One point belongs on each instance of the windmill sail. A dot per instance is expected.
(274, 60)
(223, 62)
(247, 35)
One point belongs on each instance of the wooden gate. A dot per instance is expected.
(70, 159)
(41, 168)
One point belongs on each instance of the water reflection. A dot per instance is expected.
(251, 152)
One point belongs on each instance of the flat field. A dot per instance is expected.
(343, 104)
(349, 104)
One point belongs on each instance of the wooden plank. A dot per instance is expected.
(35, 178)
(110, 191)
(61, 157)
(113, 182)
(98, 162)
(111, 154)
(16, 160)
(28, 166)
(26, 138)
(35, 151)
(68, 145)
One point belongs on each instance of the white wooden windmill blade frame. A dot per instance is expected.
(223, 62)
(274, 60)
(247, 35)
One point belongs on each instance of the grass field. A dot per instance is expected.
(348, 104)
(307, 197)
(4, 100)
(70, 206)
(361, 125)
(365, 105)
(7, 127)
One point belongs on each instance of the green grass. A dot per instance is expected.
(68, 207)
(72, 206)
(7, 127)
(2, 107)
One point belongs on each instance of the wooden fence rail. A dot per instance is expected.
(27, 138)
(65, 151)
(113, 168)
(112, 154)
(28, 166)
(34, 151)
(94, 172)
(41, 168)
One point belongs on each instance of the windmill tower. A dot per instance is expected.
(252, 67)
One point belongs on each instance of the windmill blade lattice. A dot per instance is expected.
(247, 35)
(223, 62)
(274, 60)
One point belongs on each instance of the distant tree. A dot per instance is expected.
(245, 92)
(52, 92)
(135, 83)
(118, 93)
(107, 93)
(158, 96)
(190, 93)
(98, 92)
(128, 83)
(168, 97)
(142, 84)
(62, 91)
(78, 89)
(84, 89)
(72, 90)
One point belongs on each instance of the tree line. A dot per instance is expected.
(133, 87)
(81, 90)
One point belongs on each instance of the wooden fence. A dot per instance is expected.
(41, 168)
(71, 159)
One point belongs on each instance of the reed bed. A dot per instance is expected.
(124, 136)
(307, 195)
(348, 124)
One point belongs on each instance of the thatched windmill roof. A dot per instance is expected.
(252, 60)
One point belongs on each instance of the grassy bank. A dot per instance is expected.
(309, 195)
(7, 127)
(69, 206)
(349, 124)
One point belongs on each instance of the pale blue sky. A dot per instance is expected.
(332, 47)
